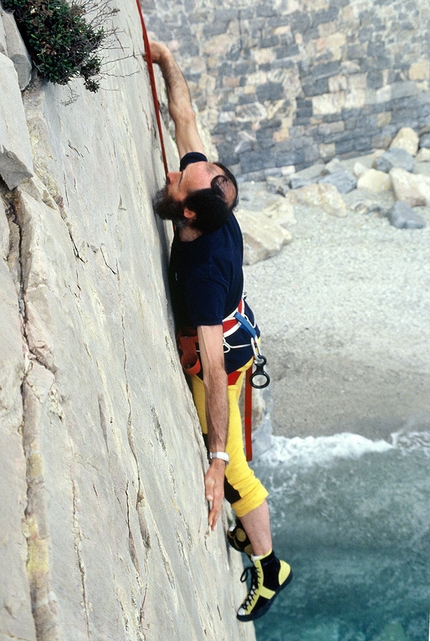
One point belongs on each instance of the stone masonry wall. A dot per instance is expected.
(282, 84)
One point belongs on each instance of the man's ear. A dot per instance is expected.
(189, 214)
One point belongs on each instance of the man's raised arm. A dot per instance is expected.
(180, 109)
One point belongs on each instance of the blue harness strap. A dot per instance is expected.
(246, 325)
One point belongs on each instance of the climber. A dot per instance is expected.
(206, 284)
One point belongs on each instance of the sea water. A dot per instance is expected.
(352, 517)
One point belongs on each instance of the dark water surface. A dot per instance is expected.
(352, 516)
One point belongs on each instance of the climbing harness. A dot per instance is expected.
(255, 377)
(148, 59)
(259, 378)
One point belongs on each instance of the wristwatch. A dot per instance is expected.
(222, 455)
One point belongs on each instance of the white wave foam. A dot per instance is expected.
(409, 441)
(320, 450)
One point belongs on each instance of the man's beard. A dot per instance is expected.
(169, 209)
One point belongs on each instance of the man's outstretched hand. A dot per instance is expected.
(158, 51)
(214, 488)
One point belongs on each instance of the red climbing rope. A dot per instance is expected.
(148, 59)
(248, 414)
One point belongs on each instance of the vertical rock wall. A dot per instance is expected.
(285, 83)
(104, 532)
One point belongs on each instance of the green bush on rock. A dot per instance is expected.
(60, 42)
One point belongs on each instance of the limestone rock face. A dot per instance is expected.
(322, 196)
(3, 46)
(104, 520)
(16, 620)
(413, 189)
(15, 151)
(16, 49)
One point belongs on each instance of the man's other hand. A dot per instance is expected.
(214, 488)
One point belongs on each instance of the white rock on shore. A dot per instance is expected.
(262, 237)
(406, 139)
(324, 197)
(413, 189)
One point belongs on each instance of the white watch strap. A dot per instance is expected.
(222, 455)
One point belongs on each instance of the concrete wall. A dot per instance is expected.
(282, 84)
(102, 510)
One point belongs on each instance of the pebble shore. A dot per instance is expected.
(344, 311)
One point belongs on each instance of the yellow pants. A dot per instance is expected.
(243, 490)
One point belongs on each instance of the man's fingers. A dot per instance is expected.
(214, 492)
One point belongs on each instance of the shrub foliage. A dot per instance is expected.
(61, 43)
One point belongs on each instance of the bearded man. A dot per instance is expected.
(206, 286)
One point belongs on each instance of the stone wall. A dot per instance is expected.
(283, 84)
(100, 448)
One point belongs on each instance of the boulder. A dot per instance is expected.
(342, 179)
(425, 140)
(296, 182)
(332, 167)
(359, 169)
(262, 237)
(16, 50)
(374, 180)
(423, 155)
(402, 216)
(413, 189)
(280, 211)
(16, 162)
(367, 207)
(277, 185)
(395, 157)
(406, 139)
(324, 197)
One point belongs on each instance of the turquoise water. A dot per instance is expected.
(352, 516)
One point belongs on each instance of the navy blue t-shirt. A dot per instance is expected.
(206, 281)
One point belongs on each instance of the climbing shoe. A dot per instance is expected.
(269, 576)
(238, 539)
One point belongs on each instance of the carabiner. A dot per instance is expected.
(260, 373)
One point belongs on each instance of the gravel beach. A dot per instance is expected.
(345, 317)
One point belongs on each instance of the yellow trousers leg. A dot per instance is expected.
(248, 492)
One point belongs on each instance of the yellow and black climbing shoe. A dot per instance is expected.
(269, 576)
(238, 539)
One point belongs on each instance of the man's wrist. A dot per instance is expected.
(223, 456)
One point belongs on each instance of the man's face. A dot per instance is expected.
(179, 184)
(167, 208)
(197, 175)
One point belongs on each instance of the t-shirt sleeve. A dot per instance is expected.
(190, 157)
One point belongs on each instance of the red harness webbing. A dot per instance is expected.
(148, 59)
